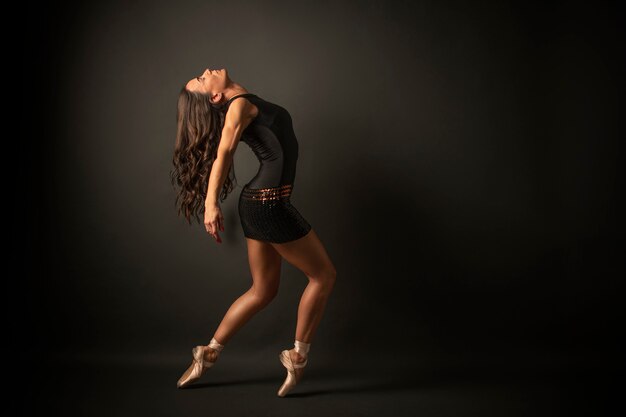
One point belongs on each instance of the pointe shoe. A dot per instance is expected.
(291, 366)
(197, 367)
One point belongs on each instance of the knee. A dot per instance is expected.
(327, 277)
(265, 296)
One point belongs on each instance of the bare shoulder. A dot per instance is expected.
(241, 112)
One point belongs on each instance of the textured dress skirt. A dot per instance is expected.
(267, 214)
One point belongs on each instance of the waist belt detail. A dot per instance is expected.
(262, 194)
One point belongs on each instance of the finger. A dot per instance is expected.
(218, 238)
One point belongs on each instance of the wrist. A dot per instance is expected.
(211, 204)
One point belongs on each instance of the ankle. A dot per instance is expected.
(302, 349)
(215, 345)
(298, 357)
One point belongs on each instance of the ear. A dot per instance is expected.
(216, 98)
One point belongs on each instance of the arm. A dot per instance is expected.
(221, 165)
(237, 119)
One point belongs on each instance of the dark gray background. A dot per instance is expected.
(459, 162)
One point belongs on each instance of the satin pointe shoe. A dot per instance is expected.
(198, 364)
(291, 380)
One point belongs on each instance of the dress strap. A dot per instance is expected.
(238, 95)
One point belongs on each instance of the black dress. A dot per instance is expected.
(265, 209)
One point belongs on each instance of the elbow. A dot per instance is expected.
(226, 154)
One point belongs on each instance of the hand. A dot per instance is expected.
(213, 221)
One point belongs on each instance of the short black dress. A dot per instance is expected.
(265, 209)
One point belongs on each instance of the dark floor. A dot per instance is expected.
(237, 386)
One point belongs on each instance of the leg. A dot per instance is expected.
(265, 265)
(309, 255)
(265, 268)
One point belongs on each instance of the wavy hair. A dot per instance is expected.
(198, 134)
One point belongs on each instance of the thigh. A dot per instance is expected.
(307, 254)
(265, 263)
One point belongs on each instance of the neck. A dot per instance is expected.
(232, 90)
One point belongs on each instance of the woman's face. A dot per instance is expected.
(210, 82)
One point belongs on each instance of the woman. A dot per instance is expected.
(214, 114)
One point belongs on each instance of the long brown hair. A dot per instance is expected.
(198, 134)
